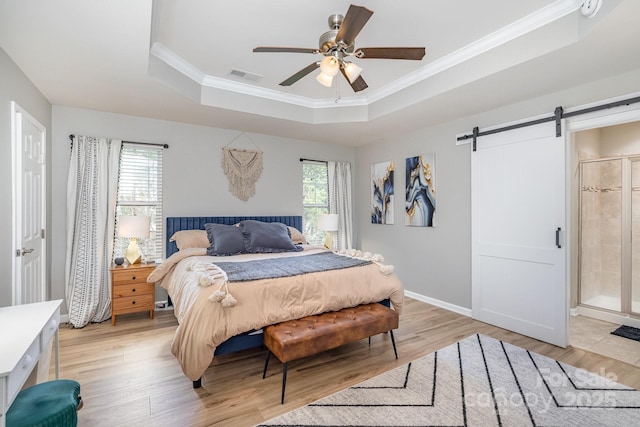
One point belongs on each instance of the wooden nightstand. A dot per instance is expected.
(130, 291)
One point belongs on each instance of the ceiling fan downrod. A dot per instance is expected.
(327, 43)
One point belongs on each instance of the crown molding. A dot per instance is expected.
(527, 24)
(176, 62)
(275, 95)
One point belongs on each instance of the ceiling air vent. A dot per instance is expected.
(245, 75)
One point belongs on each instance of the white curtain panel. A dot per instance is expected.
(340, 201)
(91, 204)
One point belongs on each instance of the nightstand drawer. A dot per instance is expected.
(133, 289)
(130, 291)
(133, 304)
(130, 276)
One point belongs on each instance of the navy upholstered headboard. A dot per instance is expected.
(177, 223)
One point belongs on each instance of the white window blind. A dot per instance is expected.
(140, 193)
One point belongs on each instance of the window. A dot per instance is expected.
(140, 193)
(315, 199)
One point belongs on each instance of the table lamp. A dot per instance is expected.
(328, 223)
(134, 227)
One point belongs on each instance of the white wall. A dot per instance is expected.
(436, 262)
(424, 257)
(15, 86)
(194, 184)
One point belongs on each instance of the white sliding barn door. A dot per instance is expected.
(518, 232)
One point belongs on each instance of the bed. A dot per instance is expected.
(208, 326)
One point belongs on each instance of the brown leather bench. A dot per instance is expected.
(295, 339)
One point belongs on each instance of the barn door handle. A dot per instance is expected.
(558, 238)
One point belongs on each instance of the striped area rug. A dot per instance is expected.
(478, 381)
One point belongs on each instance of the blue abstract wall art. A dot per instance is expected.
(420, 191)
(382, 193)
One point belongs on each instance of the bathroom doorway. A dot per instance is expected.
(609, 218)
(606, 285)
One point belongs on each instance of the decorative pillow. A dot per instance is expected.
(267, 237)
(296, 236)
(186, 239)
(225, 240)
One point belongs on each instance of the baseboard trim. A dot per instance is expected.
(442, 304)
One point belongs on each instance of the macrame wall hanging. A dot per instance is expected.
(242, 168)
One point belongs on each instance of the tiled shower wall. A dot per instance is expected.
(601, 213)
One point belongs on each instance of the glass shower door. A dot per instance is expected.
(601, 234)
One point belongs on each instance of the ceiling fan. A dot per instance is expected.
(338, 44)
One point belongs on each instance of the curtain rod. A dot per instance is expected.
(133, 142)
(312, 160)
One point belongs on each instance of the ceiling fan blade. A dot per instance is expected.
(300, 74)
(356, 18)
(414, 53)
(357, 85)
(285, 49)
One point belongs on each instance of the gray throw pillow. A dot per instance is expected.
(225, 240)
(267, 237)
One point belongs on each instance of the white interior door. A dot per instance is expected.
(518, 229)
(29, 208)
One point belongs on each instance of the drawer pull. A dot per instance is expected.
(133, 302)
(133, 278)
(53, 324)
(133, 290)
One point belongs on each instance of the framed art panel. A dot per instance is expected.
(382, 193)
(420, 191)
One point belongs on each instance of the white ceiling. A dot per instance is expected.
(170, 59)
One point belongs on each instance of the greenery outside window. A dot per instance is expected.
(315, 199)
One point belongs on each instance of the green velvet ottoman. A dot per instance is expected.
(48, 404)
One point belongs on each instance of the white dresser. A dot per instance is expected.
(25, 333)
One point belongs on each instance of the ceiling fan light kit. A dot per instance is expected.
(352, 71)
(339, 43)
(329, 66)
(324, 79)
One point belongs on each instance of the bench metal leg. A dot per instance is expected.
(284, 381)
(266, 363)
(393, 341)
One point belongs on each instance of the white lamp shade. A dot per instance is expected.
(329, 66)
(134, 226)
(352, 71)
(328, 222)
(324, 79)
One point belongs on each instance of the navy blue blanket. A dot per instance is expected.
(286, 267)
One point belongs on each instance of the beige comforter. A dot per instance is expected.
(204, 324)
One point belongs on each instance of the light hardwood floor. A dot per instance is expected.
(129, 376)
